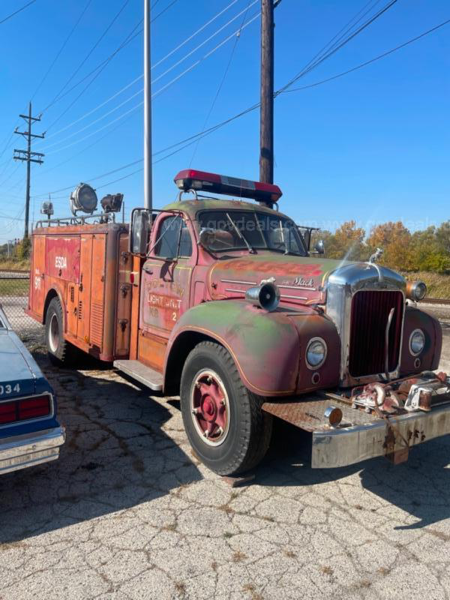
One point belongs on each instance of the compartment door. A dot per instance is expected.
(97, 314)
(37, 282)
(84, 289)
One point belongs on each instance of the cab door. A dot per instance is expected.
(165, 289)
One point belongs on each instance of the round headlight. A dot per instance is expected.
(416, 342)
(316, 353)
(416, 290)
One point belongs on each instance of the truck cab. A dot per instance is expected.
(222, 302)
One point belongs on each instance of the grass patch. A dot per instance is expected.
(14, 265)
(13, 287)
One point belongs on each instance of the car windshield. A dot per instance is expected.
(241, 230)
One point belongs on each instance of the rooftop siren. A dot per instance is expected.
(266, 295)
(190, 179)
(83, 199)
(112, 203)
(47, 208)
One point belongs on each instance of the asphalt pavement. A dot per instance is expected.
(128, 512)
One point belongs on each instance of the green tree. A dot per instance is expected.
(395, 240)
(347, 243)
(24, 249)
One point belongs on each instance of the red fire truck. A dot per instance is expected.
(222, 302)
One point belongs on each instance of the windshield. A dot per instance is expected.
(247, 230)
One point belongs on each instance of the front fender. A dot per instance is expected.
(267, 347)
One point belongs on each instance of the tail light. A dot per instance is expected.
(23, 410)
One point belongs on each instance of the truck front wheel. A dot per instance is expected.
(60, 352)
(223, 420)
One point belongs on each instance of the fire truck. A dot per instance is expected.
(222, 302)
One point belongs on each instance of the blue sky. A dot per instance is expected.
(372, 146)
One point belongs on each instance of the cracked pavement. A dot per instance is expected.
(128, 512)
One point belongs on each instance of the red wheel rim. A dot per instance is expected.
(210, 408)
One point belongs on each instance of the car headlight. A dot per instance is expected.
(316, 353)
(416, 342)
(416, 290)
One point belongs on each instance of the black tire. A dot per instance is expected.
(249, 429)
(60, 352)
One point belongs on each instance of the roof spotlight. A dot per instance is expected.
(83, 199)
(112, 203)
(47, 208)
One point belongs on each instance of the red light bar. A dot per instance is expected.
(190, 179)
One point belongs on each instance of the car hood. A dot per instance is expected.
(19, 373)
(301, 280)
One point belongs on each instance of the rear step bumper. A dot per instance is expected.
(22, 451)
(360, 436)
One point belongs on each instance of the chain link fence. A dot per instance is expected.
(14, 300)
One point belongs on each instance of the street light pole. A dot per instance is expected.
(148, 196)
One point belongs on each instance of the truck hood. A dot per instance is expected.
(19, 373)
(300, 280)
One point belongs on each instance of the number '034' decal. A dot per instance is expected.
(9, 389)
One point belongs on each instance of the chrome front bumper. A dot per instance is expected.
(349, 445)
(20, 452)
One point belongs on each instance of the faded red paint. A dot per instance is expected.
(113, 316)
(62, 257)
(270, 266)
(299, 282)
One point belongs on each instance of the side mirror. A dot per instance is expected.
(215, 239)
(140, 230)
(205, 237)
(320, 247)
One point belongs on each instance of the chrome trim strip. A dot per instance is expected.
(293, 297)
(349, 445)
(298, 287)
(31, 449)
(238, 282)
(235, 291)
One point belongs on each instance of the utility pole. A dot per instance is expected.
(148, 195)
(267, 88)
(28, 157)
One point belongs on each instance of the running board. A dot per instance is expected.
(145, 375)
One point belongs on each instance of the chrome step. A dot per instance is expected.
(145, 375)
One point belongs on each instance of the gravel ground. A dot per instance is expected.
(128, 512)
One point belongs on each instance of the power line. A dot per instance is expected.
(29, 157)
(97, 130)
(192, 139)
(181, 145)
(104, 63)
(98, 107)
(100, 67)
(334, 49)
(97, 141)
(58, 54)
(157, 93)
(17, 12)
(188, 39)
(222, 81)
(368, 62)
(83, 62)
(138, 93)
